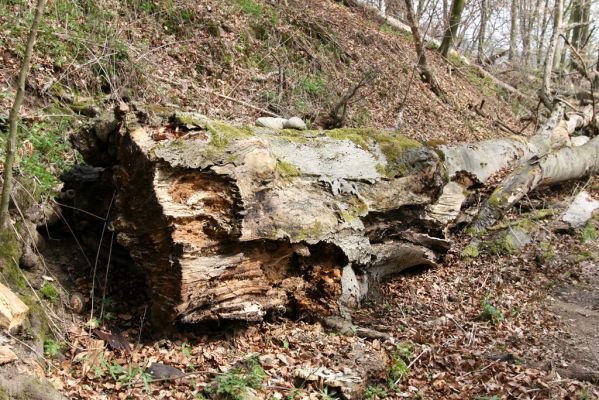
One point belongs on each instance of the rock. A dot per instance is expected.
(7, 355)
(45, 214)
(163, 371)
(579, 140)
(271, 122)
(105, 125)
(12, 309)
(507, 241)
(85, 106)
(295, 123)
(77, 302)
(29, 260)
(22, 386)
(581, 210)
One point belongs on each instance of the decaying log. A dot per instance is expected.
(559, 166)
(236, 222)
(12, 310)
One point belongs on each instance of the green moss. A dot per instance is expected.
(287, 169)
(360, 137)
(347, 217)
(510, 239)
(313, 231)
(547, 250)
(37, 322)
(223, 134)
(470, 251)
(10, 252)
(358, 207)
(50, 292)
(542, 214)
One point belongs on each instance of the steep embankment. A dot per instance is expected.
(293, 59)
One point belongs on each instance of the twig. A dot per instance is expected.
(38, 299)
(106, 275)
(426, 350)
(32, 349)
(98, 257)
(199, 89)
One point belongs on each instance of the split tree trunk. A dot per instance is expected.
(239, 222)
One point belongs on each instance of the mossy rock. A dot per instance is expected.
(470, 251)
(10, 253)
(508, 241)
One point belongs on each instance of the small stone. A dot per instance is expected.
(29, 260)
(77, 302)
(163, 371)
(271, 122)
(295, 123)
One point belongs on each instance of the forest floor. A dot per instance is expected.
(497, 326)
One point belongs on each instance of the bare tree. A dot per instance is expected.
(452, 27)
(541, 33)
(482, 31)
(425, 73)
(13, 116)
(552, 53)
(513, 29)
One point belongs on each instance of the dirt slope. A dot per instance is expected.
(297, 59)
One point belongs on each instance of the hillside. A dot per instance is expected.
(297, 59)
(491, 317)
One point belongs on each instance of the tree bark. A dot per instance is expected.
(13, 116)
(541, 35)
(452, 27)
(513, 29)
(552, 52)
(482, 32)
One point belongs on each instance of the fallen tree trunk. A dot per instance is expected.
(240, 222)
(562, 165)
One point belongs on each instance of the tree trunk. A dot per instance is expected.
(240, 222)
(482, 31)
(543, 169)
(552, 53)
(576, 17)
(541, 36)
(586, 14)
(452, 27)
(513, 29)
(425, 73)
(13, 116)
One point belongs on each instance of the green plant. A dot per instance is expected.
(584, 394)
(589, 233)
(52, 348)
(249, 7)
(49, 291)
(235, 383)
(374, 391)
(313, 85)
(186, 350)
(494, 397)
(490, 313)
(326, 395)
(126, 376)
(400, 360)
